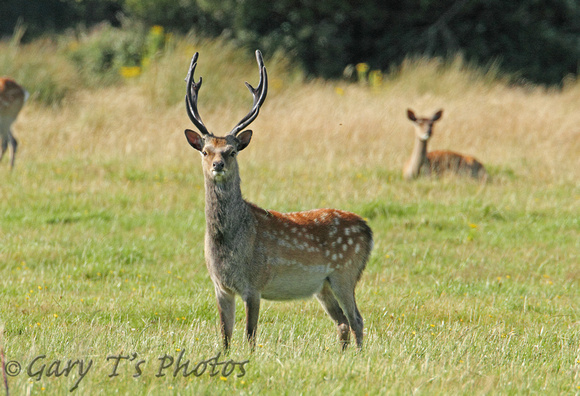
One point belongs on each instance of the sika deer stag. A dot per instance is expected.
(12, 98)
(437, 162)
(258, 253)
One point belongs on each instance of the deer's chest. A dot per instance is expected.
(229, 265)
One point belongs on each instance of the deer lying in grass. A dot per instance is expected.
(258, 253)
(437, 162)
(12, 98)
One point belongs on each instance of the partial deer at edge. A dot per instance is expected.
(12, 98)
(258, 253)
(437, 162)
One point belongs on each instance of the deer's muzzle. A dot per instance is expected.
(218, 166)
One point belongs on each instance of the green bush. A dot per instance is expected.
(107, 54)
(183, 15)
(100, 54)
(535, 40)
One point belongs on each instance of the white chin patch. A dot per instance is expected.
(218, 175)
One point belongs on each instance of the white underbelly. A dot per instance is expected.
(291, 280)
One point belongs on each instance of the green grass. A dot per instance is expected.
(470, 289)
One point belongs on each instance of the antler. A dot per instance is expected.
(191, 97)
(259, 94)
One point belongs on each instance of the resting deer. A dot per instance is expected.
(437, 162)
(12, 98)
(258, 253)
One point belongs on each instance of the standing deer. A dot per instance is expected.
(437, 162)
(12, 98)
(258, 253)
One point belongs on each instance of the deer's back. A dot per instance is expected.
(443, 161)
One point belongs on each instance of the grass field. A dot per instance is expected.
(471, 289)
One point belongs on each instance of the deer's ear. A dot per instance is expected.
(437, 115)
(411, 115)
(194, 139)
(244, 139)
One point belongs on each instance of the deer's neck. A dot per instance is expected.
(418, 158)
(226, 212)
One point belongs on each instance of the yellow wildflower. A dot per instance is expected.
(157, 30)
(130, 71)
(362, 67)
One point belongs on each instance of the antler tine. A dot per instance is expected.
(259, 94)
(191, 97)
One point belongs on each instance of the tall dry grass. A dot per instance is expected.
(532, 132)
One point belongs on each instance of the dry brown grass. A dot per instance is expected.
(331, 126)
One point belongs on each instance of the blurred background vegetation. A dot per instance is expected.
(534, 41)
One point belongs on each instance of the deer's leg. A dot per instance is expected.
(4, 146)
(332, 308)
(14, 145)
(343, 290)
(227, 309)
(252, 302)
(358, 331)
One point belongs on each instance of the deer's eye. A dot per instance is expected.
(204, 153)
(233, 154)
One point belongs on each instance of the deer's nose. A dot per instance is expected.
(218, 166)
